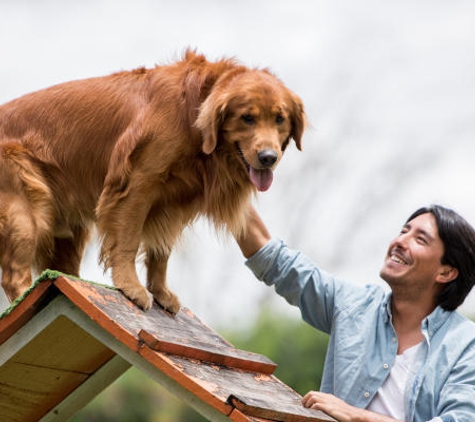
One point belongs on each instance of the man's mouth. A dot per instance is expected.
(260, 178)
(397, 258)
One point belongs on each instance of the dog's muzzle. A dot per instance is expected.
(262, 177)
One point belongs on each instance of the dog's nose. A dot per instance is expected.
(267, 157)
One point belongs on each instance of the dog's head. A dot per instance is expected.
(252, 114)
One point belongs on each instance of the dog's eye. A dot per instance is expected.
(248, 119)
(279, 119)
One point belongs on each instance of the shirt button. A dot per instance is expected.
(366, 394)
(394, 339)
(385, 366)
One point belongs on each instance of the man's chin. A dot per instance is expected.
(388, 276)
(391, 272)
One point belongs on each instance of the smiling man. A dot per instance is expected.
(402, 355)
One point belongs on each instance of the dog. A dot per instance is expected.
(141, 154)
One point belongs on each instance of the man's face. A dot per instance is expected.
(414, 257)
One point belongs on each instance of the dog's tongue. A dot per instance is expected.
(262, 179)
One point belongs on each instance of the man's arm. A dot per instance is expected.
(255, 236)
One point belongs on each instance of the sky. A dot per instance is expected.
(389, 93)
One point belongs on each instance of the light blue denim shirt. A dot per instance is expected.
(363, 343)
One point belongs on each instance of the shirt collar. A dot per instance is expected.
(430, 324)
(435, 320)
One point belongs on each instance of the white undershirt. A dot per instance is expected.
(389, 400)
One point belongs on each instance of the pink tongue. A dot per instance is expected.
(262, 179)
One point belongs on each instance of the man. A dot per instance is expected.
(402, 355)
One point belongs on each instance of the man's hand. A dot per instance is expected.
(341, 411)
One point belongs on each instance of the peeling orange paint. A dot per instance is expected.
(262, 378)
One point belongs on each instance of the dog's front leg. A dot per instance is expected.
(121, 228)
(156, 281)
(125, 278)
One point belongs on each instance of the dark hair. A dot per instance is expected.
(458, 237)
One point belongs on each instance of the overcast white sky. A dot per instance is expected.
(389, 89)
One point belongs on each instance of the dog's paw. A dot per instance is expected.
(168, 301)
(140, 296)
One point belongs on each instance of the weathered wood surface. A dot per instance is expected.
(183, 334)
(236, 383)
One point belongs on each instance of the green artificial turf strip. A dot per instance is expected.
(47, 275)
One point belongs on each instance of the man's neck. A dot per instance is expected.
(407, 320)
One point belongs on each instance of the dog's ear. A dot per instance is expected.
(298, 119)
(210, 117)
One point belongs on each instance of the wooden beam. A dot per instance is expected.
(88, 390)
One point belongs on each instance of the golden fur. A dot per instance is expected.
(142, 154)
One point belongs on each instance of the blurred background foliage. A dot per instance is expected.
(298, 349)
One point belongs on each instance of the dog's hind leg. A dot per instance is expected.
(156, 281)
(17, 246)
(26, 218)
(68, 252)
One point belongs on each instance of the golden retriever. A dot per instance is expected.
(142, 154)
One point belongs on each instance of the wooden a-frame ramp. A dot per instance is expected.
(66, 340)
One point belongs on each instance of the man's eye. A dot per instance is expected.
(422, 239)
(248, 119)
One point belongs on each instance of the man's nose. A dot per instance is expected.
(401, 241)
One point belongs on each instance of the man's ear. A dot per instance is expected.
(447, 274)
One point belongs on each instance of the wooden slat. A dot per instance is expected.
(275, 411)
(190, 346)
